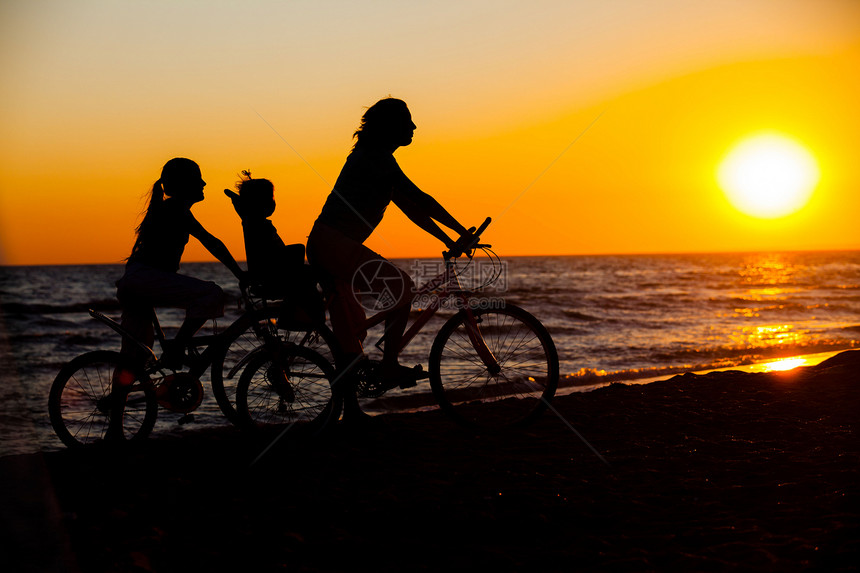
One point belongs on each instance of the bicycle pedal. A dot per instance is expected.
(415, 374)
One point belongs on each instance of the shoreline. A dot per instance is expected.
(766, 365)
(409, 402)
(568, 384)
(716, 471)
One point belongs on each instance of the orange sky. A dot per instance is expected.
(98, 95)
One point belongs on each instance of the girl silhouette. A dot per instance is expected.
(151, 277)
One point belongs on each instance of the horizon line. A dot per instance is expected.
(598, 254)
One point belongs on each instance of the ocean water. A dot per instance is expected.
(611, 318)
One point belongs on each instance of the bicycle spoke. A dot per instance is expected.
(528, 368)
(80, 397)
(292, 390)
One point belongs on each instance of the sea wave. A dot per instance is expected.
(698, 360)
(610, 317)
(45, 308)
(580, 316)
(719, 356)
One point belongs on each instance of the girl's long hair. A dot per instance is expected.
(172, 170)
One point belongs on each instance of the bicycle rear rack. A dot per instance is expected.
(121, 331)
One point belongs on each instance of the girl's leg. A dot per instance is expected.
(201, 300)
(174, 351)
(137, 320)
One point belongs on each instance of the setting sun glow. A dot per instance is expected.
(581, 128)
(768, 176)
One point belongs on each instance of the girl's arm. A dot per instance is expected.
(218, 249)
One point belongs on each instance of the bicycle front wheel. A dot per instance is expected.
(292, 390)
(81, 403)
(514, 392)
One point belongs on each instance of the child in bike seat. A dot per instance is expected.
(151, 277)
(276, 270)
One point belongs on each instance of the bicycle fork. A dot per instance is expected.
(478, 342)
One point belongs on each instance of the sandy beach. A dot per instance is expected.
(728, 470)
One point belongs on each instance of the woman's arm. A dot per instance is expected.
(422, 209)
(215, 246)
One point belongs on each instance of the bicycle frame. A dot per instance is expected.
(450, 283)
(107, 384)
(194, 343)
(209, 342)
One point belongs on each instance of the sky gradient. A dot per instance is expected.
(582, 128)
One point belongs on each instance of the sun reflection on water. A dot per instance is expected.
(768, 293)
(783, 364)
(769, 269)
(766, 336)
(768, 282)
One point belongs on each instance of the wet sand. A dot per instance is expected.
(728, 470)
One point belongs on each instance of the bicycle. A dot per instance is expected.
(86, 406)
(498, 354)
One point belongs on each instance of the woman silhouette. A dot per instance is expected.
(151, 277)
(369, 181)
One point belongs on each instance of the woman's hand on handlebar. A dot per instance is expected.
(467, 242)
(462, 245)
(469, 237)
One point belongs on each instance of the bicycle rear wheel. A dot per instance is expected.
(244, 339)
(80, 403)
(292, 391)
(475, 396)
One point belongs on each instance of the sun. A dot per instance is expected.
(768, 175)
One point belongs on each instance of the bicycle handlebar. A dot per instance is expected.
(467, 242)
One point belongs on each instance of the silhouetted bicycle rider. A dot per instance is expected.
(151, 277)
(369, 181)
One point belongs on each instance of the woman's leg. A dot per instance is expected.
(358, 270)
(351, 266)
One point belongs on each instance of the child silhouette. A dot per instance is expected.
(276, 270)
